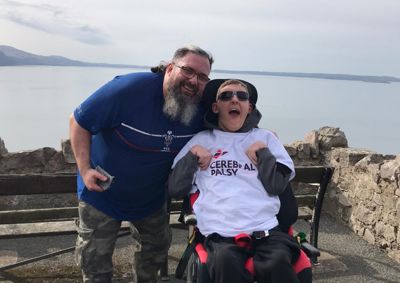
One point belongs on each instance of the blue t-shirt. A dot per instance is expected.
(134, 141)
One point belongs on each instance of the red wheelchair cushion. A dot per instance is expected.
(303, 262)
(202, 253)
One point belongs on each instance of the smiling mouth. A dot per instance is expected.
(189, 90)
(234, 112)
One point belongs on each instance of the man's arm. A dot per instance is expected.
(80, 143)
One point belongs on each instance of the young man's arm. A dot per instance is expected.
(181, 178)
(273, 175)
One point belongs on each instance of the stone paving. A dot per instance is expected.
(345, 258)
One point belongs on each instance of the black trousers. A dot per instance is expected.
(273, 257)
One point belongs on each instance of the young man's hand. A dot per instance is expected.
(203, 155)
(251, 151)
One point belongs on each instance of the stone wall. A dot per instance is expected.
(364, 192)
(42, 160)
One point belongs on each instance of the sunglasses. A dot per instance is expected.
(228, 95)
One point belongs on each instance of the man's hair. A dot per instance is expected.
(182, 52)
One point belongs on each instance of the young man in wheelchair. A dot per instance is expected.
(240, 171)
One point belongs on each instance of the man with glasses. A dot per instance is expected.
(130, 130)
(239, 171)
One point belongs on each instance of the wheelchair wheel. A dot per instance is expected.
(196, 271)
(191, 274)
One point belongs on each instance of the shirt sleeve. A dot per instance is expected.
(279, 152)
(100, 110)
(184, 170)
(273, 175)
(181, 178)
(275, 167)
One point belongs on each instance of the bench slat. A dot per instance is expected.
(305, 200)
(309, 174)
(37, 215)
(37, 229)
(18, 230)
(305, 213)
(23, 230)
(29, 184)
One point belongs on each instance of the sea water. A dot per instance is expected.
(36, 101)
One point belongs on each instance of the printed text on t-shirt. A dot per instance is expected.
(229, 167)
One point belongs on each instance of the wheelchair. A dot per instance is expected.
(194, 258)
(193, 262)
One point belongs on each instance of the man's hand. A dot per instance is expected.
(251, 151)
(90, 178)
(203, 155)
(80, 142)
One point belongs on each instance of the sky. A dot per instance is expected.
(316, 36)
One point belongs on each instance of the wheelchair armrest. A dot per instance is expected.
(311, 251)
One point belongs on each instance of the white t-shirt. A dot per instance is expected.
(232, 198)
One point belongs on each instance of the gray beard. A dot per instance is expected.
(179, 107)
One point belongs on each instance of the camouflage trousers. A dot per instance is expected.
(97, 235)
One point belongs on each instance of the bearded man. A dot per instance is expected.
(133, 127)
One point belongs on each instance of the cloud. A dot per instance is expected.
(54, 20)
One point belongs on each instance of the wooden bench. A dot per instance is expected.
(17, 223)
(309, 186)
(42, 221)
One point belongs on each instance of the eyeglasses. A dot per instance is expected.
(228, 95)
(190, 73)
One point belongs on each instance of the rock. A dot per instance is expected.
(386, 231)
(292, 151)
(343, 201)
(344, 208)
(390, 170)
(303, 150)
(312, 139)
(389, 233)
(366, 216)
(67, 151)
(329, 137)
(398, 242)
(369, 237)
(395, 255)
(3, 149)
(370, 159)
(349, 157)
(27, 161)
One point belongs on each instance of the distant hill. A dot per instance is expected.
(10, 56)
(346, 77)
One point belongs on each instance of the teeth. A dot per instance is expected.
(190, 86)
(234, 110)
(190, 90)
